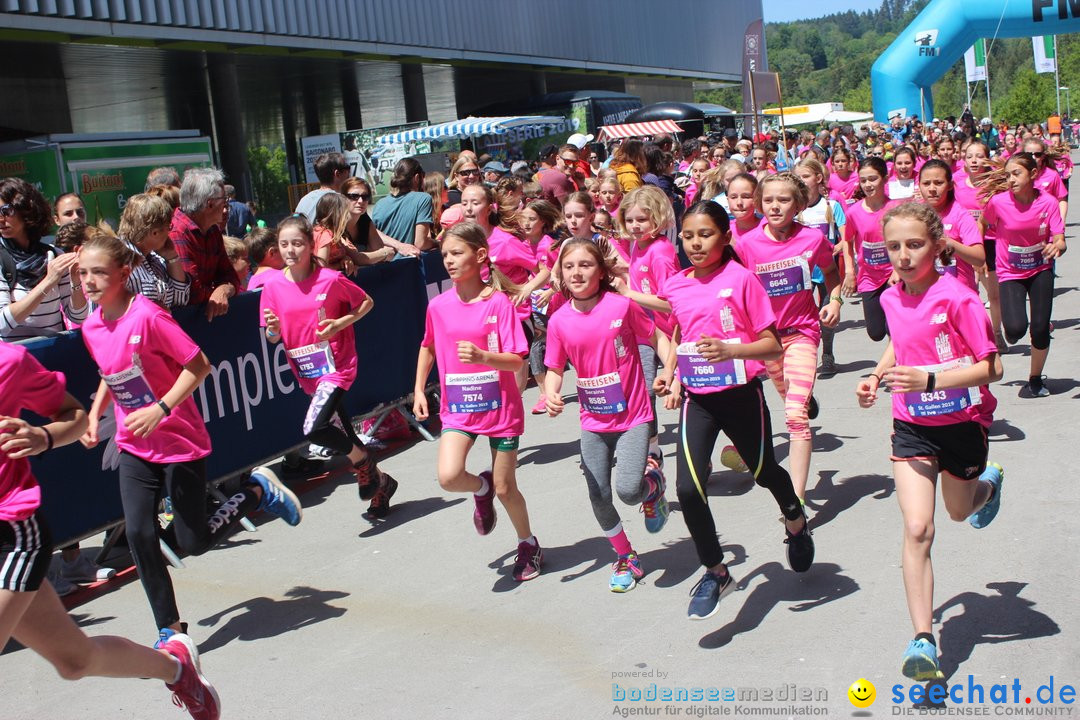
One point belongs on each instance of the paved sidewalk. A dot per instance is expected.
(418, 617)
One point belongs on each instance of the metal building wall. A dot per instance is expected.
(618, 35)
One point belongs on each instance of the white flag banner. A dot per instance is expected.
(975, 61)
(1045, 58)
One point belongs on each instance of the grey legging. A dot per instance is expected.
(598, 450)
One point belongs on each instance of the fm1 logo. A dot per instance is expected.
(1064, 8)
(926, 40)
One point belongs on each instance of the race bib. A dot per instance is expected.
(536, 309)
(874, 253)
(602, 395)
(696, 372)
(313, 361)
(946, 269)
(130, 389)
(784, 277)
(1026, 258)
(473, 392)
(942, 402)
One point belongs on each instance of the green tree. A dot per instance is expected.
(1031, 98)
(269, 178)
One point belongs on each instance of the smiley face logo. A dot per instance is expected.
(862, 693)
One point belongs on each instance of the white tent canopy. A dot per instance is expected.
(817, 113)
(468, 127)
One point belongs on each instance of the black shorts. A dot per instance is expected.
(960, 449)
(990, 248)
(25, 553)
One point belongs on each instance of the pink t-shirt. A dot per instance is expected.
(547, 255)
(300, 306)
(842, 187)
(944, 328)
(960, 227)
(259, 279)
(967, 196)
(476, 398)
(140, 355)
(1022, 232)
(1064, 166)
(729, 304)
(784, 270)
(24, 385)
(602, 345)
(864, 230)
(736, 233)
(1050, 182)
(515, 258)
(650, 267)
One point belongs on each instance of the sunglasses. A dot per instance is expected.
(1037, 154)
(366, 197)
(7, 210)
(568, 160)
(474, 171)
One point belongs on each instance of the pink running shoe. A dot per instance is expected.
(484, 517)
(192, 692)
(540, 408)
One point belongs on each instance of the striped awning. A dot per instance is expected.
(639, 129)
(469, 127)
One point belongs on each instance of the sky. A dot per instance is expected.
(785, 10)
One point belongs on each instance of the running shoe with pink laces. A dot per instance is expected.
(625, 573)
(192, 692)
(529, 560)
(655, 506)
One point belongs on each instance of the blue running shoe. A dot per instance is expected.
(165, 633)
(625, 573)
(705, 597)
(655, 506)
(995, 475)
(276, 498)
(921, 661)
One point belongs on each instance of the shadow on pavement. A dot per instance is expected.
(822, 584)
(1004, 431)
(828, 498)
(548, 453)
(401, 513)
(993, 618)
(263, 617)
(677, 562)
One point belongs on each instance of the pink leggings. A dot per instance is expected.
(793, 375)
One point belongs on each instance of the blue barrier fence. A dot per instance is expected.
(251, 403)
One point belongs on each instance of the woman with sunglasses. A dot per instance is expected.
(36, 290)
(361, 231)
(465, 172)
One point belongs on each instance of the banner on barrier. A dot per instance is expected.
(251, 403)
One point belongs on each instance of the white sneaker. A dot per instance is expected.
(61, 586)
(84, 571)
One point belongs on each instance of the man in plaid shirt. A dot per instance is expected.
(196, 233)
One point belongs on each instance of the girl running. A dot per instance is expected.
(698, 168)
(1030, 237)
(725, 329)
(30, 611)
(945, 150)
(597, 332)
(474, 334)
(902, 184)
(938, 365)
(149, 369)
(742, 206)
(843, 179)
(782, 254)
(539, 221)
(1047, 178)
(579, 217)
(864, 239)
(611, 195)
(963, 242)
(967, 191)
(311, 309)
(827, 215)
(644, 217)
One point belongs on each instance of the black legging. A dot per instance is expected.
(327, 406)
(740, 413)
(876, 327)
(142, 485)
(1039, 289)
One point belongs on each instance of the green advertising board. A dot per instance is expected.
(37, 167)
(106, 175)
(525, 143)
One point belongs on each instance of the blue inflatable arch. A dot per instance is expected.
(902, 77)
